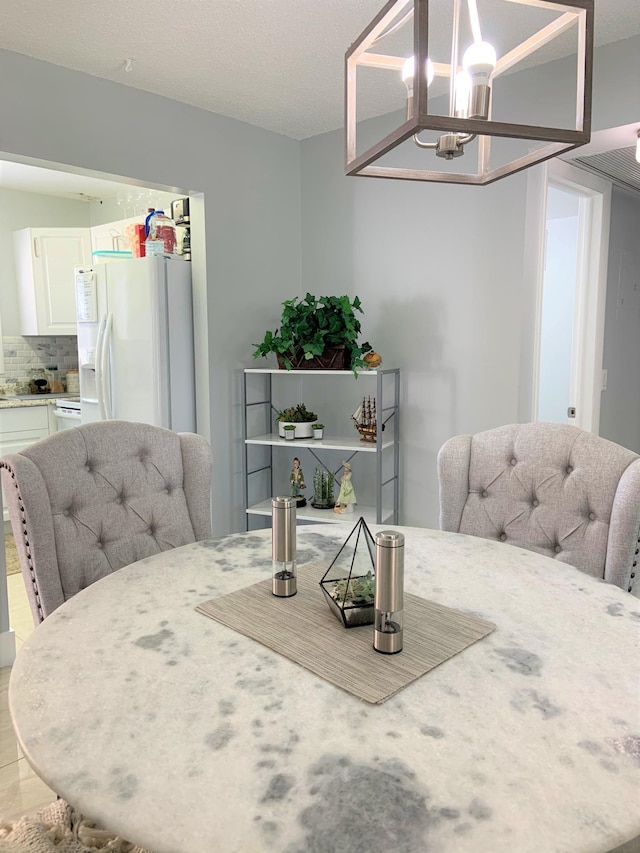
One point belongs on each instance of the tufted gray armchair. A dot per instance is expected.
(87, 501)
(551, 488)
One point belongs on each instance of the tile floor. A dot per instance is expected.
(21, 791)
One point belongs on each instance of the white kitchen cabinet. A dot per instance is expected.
(259, 410)
(19, 428)
(45, 258)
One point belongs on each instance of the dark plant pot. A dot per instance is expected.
(333, 358)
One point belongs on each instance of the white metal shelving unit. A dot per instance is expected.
(387, 397)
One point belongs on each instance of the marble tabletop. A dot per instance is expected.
(186, 737)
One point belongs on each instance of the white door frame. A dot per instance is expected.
(591, 284)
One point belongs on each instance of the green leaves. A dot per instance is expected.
(360, 590)
(297, 414)
(311, 325)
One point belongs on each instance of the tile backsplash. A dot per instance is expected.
(24, 354)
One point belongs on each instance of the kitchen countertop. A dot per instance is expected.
(33, 400)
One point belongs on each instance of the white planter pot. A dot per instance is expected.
(289, 434)
(301, 431)
(318, 433)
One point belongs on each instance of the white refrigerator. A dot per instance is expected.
(135, 342)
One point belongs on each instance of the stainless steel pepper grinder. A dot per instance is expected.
(389, 592)
(283, 546)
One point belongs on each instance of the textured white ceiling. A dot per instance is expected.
(277, 64)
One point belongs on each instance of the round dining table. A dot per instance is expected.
(184, 736)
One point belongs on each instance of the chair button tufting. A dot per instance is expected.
(557, 549)
(633, 574)
(485, 494)
(514, 461)
(87, 467)
(592, 516)
(569, 469)
(66, 512)
(535, 502)
(503, 537)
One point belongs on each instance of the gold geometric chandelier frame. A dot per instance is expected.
(572, 13)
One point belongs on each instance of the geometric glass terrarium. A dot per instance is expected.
(349, 582)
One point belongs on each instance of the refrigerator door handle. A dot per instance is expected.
(104, 356)
(98, 363)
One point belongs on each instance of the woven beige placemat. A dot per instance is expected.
(304, 629)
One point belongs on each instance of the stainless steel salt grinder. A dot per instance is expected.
(283, 546)
(388, 601)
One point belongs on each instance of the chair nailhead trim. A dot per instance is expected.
(26, 541)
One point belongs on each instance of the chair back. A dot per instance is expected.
(85, 502)
(552, 488)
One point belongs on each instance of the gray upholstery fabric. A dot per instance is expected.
(87, 501)
(552, 488)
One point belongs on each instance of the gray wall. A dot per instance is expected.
(28, 210)
(439, 281)
(620, 405)
(250, 223)
(439, 269)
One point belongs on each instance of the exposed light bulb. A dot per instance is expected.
(408, 72)
(479, 60)
(638, 148)
(463, 93)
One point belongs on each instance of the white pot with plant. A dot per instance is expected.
(300, 418)
(289, 431)
(318, 430)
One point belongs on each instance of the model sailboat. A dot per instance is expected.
(365, 420)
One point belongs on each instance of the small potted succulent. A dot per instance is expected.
(323, 497)
(289, 431)
(349, 583)
(351, 599)
(300, 418)
(318, 430)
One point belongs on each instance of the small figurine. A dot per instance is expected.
(296, 479)
(372, 360)
(347, 496)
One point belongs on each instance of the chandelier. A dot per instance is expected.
(463, 118)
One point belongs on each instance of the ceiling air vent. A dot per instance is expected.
(619, 165)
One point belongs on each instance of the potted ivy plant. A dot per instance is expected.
(298, 417)
(317, 333)
(318, 430)
(289, 431)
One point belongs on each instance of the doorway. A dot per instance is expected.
(571, 292)
(108, 200)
